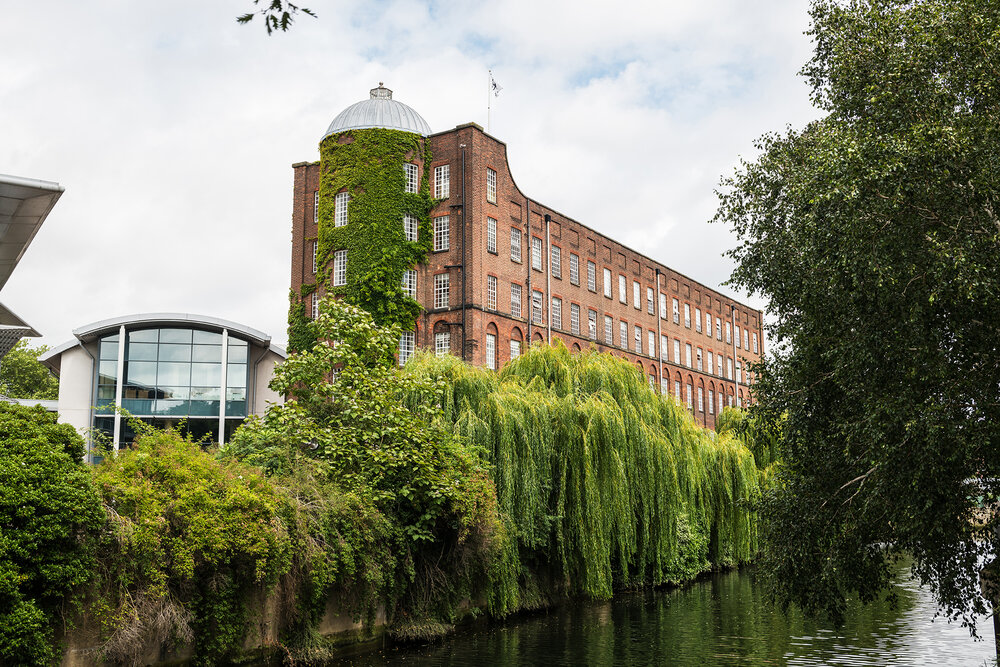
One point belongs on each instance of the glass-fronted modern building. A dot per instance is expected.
(202, 375)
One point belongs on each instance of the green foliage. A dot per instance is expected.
(49, 516)
(23, 376)
(301, 335)
(601, 483)
(191, 538)
(277, 14)
(874, 233)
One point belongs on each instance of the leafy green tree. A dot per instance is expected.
(49, 518)
(23, 376)
(874, 234)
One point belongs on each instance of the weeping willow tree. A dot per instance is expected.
(601, 483)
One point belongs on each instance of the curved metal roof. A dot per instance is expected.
(145, 320)
(380, 110)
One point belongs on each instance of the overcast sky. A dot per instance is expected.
(173, 129)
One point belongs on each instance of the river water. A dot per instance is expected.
(721, 620)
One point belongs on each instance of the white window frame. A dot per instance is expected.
(623, 334)
(701, 399)
(556, 314)
(574, 318)
(315, 305)
(651, 343)
(491, 235)
(677, 311)
(491, 293)
(315, 256)
(609, 330)
(718, 365)
(708, 325)
(677, 352)
(699, 359)
(592, 324)
(649, 301)
(410, 227)
(622, 289)
(607, 283)
(690, 391)
(407, 343)
(718, 328)
(442, 290)
(339, 268)
(442, 343)
(412, 175)
(637, 339)
(697, 320)
(687, 315)
(442, 181)
(574, 269)
(729, 333)
(555, 260)
(515, 300)
(711, 402)
(739, 338)
(663, 306)
(756, 349)
(491, 351)
(536, 307)
(491, 186)
(515, 349)
(664, 347)
(442, 233)
(515, 245)
(536, 253)
(636, 295)
(410, 283)
(340, 205)
(687, 354)
(316, 207)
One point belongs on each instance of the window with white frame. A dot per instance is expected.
(316, 206)
(622, 290)
(718, 328)
(515, 245)
(677, 312)
(756, 350)
(721, 402)
(442, 290)
(340, 268)
(718, 365)
(664, 385)
(637, 338)
(491, 186)
(739, 400)
(729, 333)
(607, 283)
(515, 348)
(491, 235)
(708, 325)
(690, 391)
(536, 253)
(536, 307)
(491, 292)
(574, 269)
(556, 261)
(592, 324)
(412, 182)
(746, 342)
(410, 227)
(340, 204)
(410, 283)
(609, 330)
(407, 341)
(315, 255)
(515, 300)
(697, 320)
(687, 315)
(556, 313)
(574, 318)
(711, 402)
(701, 399)
(677, 351)
(652, 381)
(699, 358)
(730, 400)
(729, 368)
(709, 363)
(591, 276)
(623, 335)
(739, 338)
(677, 390)
(636, 295)
(442, 343)
(663, 306)
(664, 347)
(651, 343)
(442, 233)
(649, 300)
(315, 305)
(491, 351)
(442, 181)
(687, 355)
(739, 373)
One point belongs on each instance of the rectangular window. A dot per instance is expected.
(491, 351)
(711, 402)
(729, 333)
(410, 283)
(316, 254)
(709, 364)
(652, 381)
(636, 295)
(739, 373)
(663, 306)
(592, 324)
(739, 338)
(622, 289)
(556, 313)
(442, 181)
(718, 328)
(410, 227)
(687, 355)
(574, 269)
(664, 386)
(315, 305)
(677, 351)
(536, 307)
(651, 343)
(340, 268)
(623, 335)
(406, 344)
(491, 186)
(607, 283)
(491, 292)
(340, 203)
(697, 320)
(718, 365)
(609, 330)
(442, 233)
(442, 343)
(699, 359)
(722, 405)
(515, 300)
(687, 315)
(755, 349)
(412, 181)
(664, 347)
(574, 318)
(701, 399)
(677, 390)
(515, 244)
(442, 288)
(649, 300)
(556, 261)
(746, 343)
(316, 206)
(491, 235)
(708, 325)
(729, 368)
(638, 339)
(677, 312)
(536, 253)
(689, 397)
(515, 349)
(739, 401)
(591, 276)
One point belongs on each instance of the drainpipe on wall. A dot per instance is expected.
(548, 279)
(527, 236)
(659, 333)
(465, 302)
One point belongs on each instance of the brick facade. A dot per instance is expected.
(470, 152)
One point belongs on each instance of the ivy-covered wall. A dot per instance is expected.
(368, 164)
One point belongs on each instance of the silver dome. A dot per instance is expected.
(379, 111)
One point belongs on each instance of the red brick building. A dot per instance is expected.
(506, 271)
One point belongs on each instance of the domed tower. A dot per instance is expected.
(372, 205)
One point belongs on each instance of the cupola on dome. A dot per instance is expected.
(380, 110)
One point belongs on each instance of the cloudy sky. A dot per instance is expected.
(173, 129)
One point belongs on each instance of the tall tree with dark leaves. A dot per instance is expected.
(874, 233)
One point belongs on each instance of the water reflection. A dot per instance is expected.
(718, 621)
